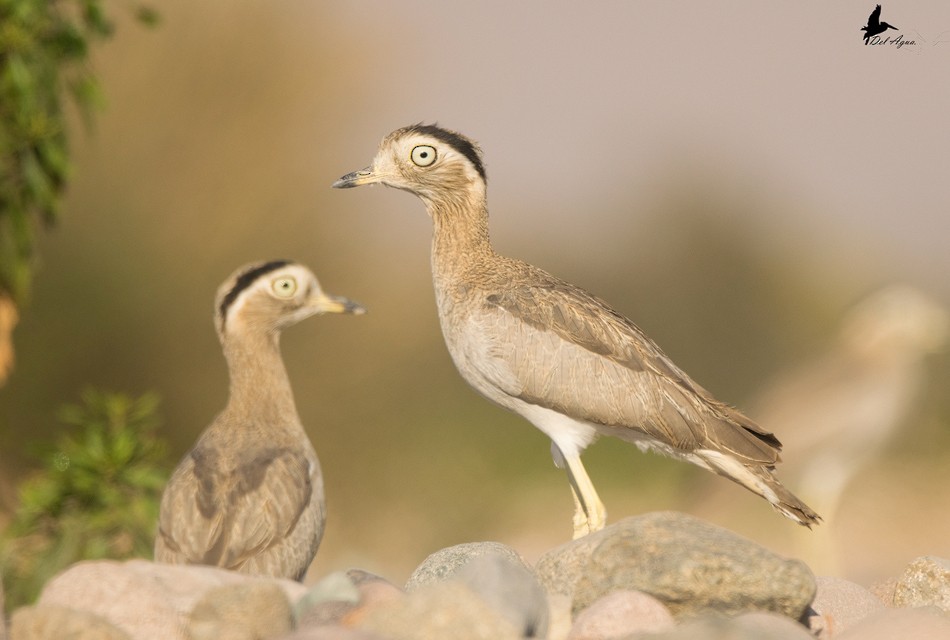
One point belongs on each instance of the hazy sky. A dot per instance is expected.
(569, 99)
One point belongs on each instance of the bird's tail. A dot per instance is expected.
(761, 480)
(789, 505)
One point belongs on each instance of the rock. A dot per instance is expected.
(54, 622)
(620, 614)
(149, 601)
(688, 564)
(510, 588)
(447, 609)
(327, 601)
(559, 616)
(748, 626)
(883, 590)
(925, 581)
(342, 598)
(242, 611)
(443, 564)
(923, 623)
(840, 604)
(332, 632)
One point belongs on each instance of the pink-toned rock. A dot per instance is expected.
(332, 632)
(560, 618)
(757, 625)
(147, 600)
(884, 591)
(53, 622)
(840, 604)
(924, 623)
(765, 625)
(619, 614)
(439, 611)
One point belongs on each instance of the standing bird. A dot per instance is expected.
(875, 26)
(249, 495)
(553, 353)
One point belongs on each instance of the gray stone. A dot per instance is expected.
(54, 622)
(620, 614)
(147, 600)
(242, 611)
(839, 604)
(510, 588)
(922, 623)
(443, 564)
(925, 581)
(436, 612)
(748, 626)
(691, 566)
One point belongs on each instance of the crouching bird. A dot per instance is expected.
(553, 353)
(249, 495)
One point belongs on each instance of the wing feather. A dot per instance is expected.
(569, 351)
(224, 514)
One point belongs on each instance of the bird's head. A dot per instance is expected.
(266, 297)
(436, 164)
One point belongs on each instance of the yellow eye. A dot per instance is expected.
(284, 287)
(423, 155)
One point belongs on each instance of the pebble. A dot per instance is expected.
(511, 589)
(660, 576)
(443, 564)
(839, 604)
(748, 626)
(241, 611)
(437, 612)
(922, 623)
(342, 598)
(333, 632)
(55, 622)
(620, 614)
(925, 581)
(147, 600)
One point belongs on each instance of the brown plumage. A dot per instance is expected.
(249, 495)
(552, 352)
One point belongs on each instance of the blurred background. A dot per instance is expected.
(733, 177)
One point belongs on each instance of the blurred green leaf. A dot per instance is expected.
(44, 49)
(96, 496)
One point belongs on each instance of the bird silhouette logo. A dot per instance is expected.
(875, 26)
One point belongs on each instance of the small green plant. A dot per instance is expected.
(96, 495)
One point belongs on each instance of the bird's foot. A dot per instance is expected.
(584, 522)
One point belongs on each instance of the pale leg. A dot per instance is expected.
(589, 512)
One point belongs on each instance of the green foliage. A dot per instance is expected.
(96, 496)
(44, 47)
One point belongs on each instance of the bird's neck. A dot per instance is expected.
(460, 236)
(260, 387)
